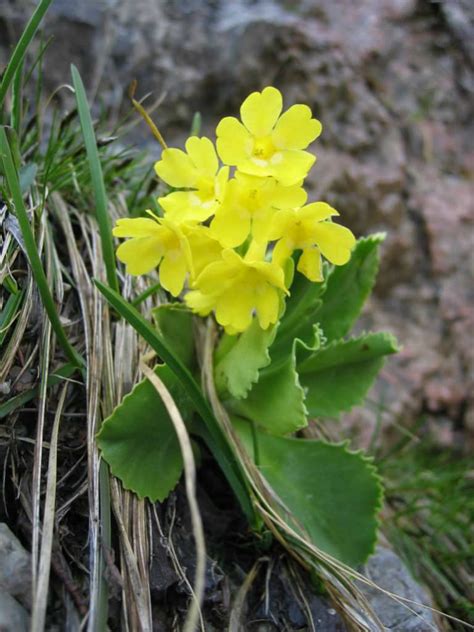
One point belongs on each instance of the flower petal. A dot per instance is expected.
(296, 128)
(291, 166)
(316, 212)
(230, 226)
(221, 183)
(270, 273)
(234, 309)
(234, 143)
(217, 276)
(335, 242)
(200, 303)
(260, 111)
(203, 154)
(288, 197)
(281, 252)
(281, 222)
(176, 168)
(204, 248)
(310, 264)
(141, 255)
(185, 206)
(268, 306)
(261, 225)
(173, 271)
(135, 227)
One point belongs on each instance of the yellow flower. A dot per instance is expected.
(248, 206)
(267, 144)
(155, 242)
(235, 288)
(204, 248)
(305, 229)
(197, 171)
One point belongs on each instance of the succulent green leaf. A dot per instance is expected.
(210, 428)
(175, 323)
(239, 359)
(332, 495)
(300, 315)
(347, 288)
(139, 441)
(277, 401)
(337, 377)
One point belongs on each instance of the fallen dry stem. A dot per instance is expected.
(190, 483)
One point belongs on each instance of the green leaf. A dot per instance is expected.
(300, 317)
(277, 401)
(210, 429)
(347, 288)
(239, 359)
(22, 46)
(62, 373)
(9, 313)
(175, 323)
(97, 179)
(139, 441)
(337, 377)
(332, 494)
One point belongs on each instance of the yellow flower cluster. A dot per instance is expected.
(226, 235)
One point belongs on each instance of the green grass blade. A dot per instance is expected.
(97, 180)
(16, 113)
(8, 314)
(30, 245)
(63, 373)
(21, 48)
(215, 436)
(147, 293)
(106, 538)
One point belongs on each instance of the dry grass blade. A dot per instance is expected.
(112, 359)
(22, 321)
(38, 459)
(143, 606)
(190, 482)
(40, 597)
(91, 309)
(93, 321)
(239, 601)
(45, 354)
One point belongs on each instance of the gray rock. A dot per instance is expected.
(13, 617)
(388, 571)
(459, 15)
(15, 567)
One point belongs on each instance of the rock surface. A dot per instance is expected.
(13, 617)
(389, 573)
(15, 567)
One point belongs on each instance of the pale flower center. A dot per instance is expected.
(263, 148)
(206, 188)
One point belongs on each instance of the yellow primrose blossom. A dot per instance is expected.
(248, 206)
(267, 144)
(155, 242)
(197, 171)
(235, 288)
(204, 248)
(305, 229)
